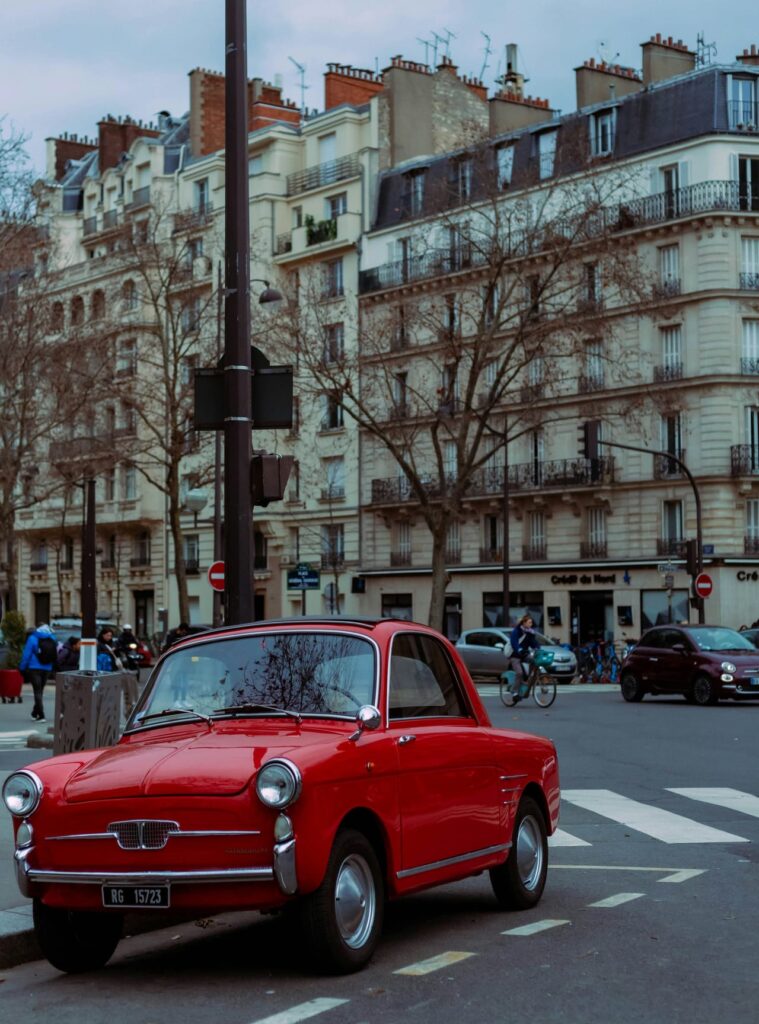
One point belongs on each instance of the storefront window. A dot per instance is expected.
(655, 607)
(520, 603)
(397, 606)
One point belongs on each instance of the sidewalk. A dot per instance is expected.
(17, 942)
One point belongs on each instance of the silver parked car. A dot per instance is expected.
(486, 653)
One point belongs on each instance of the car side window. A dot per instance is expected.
(652, 639)
(483, 639)
(423, 683)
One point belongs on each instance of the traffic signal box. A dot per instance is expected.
(268, 477)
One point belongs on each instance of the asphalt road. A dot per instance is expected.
(646, 918)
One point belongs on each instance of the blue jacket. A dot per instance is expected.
(29, 659)
(522, 641)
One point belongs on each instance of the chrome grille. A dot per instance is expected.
(143, 835)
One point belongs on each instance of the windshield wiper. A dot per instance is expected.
(242, 709)
(173, 711)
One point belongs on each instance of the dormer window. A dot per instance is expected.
(413, 192)
(546, 152)
(602, 131)
(742, 103)
(504, 156)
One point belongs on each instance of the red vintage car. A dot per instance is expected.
(327, 763)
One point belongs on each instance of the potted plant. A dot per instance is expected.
(13, 626)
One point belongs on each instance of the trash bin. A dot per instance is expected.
(88, 709)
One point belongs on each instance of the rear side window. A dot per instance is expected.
(484, 639)
(423, 683)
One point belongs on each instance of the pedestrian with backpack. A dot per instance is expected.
(38, 662)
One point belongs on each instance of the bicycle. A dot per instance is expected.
(538, 682)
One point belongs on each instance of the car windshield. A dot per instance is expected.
(720, 639)
(306, 673)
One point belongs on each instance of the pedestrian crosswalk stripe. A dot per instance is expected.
(435, 963)
(302, 1012)
(651, 821)
(562, 838)
(732, 799)
(618, 900)
(535, 927)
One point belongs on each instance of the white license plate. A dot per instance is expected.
(145, 896)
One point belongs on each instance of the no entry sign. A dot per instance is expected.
(703, 585)
(216, 575)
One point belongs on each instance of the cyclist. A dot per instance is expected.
(523, 641)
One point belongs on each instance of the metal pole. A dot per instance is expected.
(238, 511)
(88, 656)
(697, 500)
(506, 592)
(217, 497)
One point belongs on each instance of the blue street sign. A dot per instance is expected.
(303, 577)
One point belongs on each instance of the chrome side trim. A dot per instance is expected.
(144, 877)
(284, 867)
(22, 878)
(519, 775)
(453, 860)
(173, 835)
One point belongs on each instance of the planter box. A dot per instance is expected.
(11, 682)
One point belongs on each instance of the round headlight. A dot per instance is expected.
(278, 784)
(727, 666)
(21, 793)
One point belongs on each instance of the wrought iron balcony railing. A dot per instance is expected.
(535, 552)
(749, 282)
(751, 544)
(667, 289)
(490, 554)
(593, 549)
(453, 555)
(89, 226)
(38, 567)
(139, 562)
(323, 174)
(668, 371)
(666, 468)
(333, 560)
(400, 558)
(190, 220)
(191, 566)
(744, 115)
(749, 366)
(671, 546)
(744, 459)
(532, 392)
(588, 382)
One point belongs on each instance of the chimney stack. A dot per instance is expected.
(749, 56)
(665, 58)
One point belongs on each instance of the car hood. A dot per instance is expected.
(221, 761)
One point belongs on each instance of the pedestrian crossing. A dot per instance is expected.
(654, 821)
(15, 740)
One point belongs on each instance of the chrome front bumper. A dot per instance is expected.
(283, 872)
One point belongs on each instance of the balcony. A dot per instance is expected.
(534, 552)
(532, 392)
(749, 366)
(327, 173)
(589, 382)
(744, 115)
(751, 545)
(398, 412)
(453, 555)
(140, 198)
(333, 494)
(283, 243)
(316, 237)
(490, 554)
(668, 289)
(191, 566)
(38, 567)
(191, 220)
(671, 546)
(400, 558)
(666, 468)
(140, 562)
(333, 560)
(749, 282)
(590, 305)
(668, 371)
(744, 460)
(566, 474)
(107, 564)
(89, 226)
(593, 549)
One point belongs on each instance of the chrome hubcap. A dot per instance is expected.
(529, 852)
(355, 901)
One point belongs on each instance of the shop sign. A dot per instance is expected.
(573, 579)
(743, 576)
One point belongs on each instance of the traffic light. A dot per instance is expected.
(588, 439)
(268, 477)
(691, 557)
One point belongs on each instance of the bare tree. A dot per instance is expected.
(508, 329)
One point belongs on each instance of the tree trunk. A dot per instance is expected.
(179, 568)
(440, 580)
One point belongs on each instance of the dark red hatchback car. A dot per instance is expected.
(703, 663)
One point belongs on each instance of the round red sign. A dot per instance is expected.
(703, 585)
(216, 575)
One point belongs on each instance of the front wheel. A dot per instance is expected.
(507, 694)
(341, 922)
(518, 883)
(704, 691)
(544, 691)
(631, 689)
(76, 941)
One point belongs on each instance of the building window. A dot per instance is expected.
(750, 347)
(141, 549)
(109, 484)
(336, 205)
(450, 460)
(332, 545)
(111, 552)
(671, 354)
(402, 545)
(190, 315)
(413, 193)
(602, 131)
(334, 343)
(451, 317)
(260, 551)
(742, 104)
(596, 526)
(57, 317)
(453, 542)
(334, 474)
(39, 556)
(749, 262)
(397, 606)
(459, 247)
(400, 395)
(255, 165)
(332, 412)
(449, 389)
(327, 148)
(461, 178)
(672, 521)
(748, 183)
(129, 483)
(202, 196)
(126, 357)
(77, 311)
(594, 364)
(191, 552)
(536, 536)
(294, 552)
(546, 149)
(656, 609)
(752, 526)
(492, 536)
(504, 156)
(129, 295)
(333, 279)
(98, 305)
(669, 269)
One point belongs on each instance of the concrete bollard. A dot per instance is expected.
(88, 708)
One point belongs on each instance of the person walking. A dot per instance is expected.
(108, 660)
(68, 655)
(523, 640)
(178, 633)
(38, 662)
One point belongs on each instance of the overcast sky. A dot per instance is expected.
(66, 63)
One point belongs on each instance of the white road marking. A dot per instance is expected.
(562, 838)
(302, 1012)
(684, 875)
(651, 821)
(733, 799)
(435, 963)
(535, 927)
(618, 900)
(673, 874)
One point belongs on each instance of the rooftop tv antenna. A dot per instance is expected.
(704, 51)
(426, 44)
(448, 37)
(488, 51)
(302, 75)
(603, 49)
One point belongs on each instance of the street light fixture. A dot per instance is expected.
(195, 501)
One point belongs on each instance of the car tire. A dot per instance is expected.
(631, 688)
(518, 883)
(75, 941)
(341, 922)
(704, 691)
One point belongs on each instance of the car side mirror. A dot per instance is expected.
(680, 648)
(367, 717)
(500, 647)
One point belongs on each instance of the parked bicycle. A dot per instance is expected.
(538, 681)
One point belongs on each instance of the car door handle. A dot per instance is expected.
(406, 739)
(653, 659)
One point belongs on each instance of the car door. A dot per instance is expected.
(448, 780)
(485, 653)
(668, 667)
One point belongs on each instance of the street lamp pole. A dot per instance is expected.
(505, 540)
(238, 508)
(696, 498)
